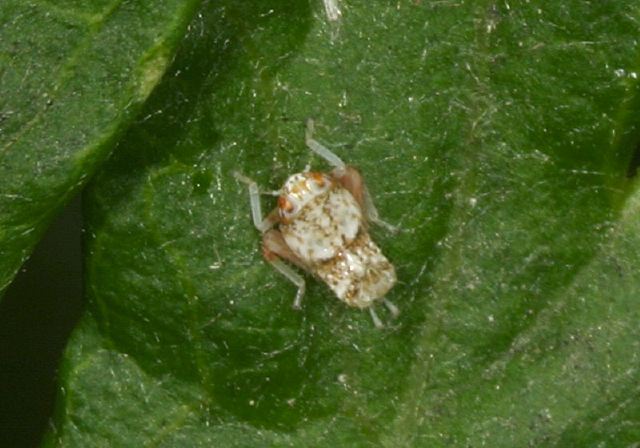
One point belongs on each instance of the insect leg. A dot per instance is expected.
(376, 320)
(372, 212)
(332, 10)
(256, 210)
(395, 312)
(352, 180)
(293, 277)
(274, 249)
(321, 150)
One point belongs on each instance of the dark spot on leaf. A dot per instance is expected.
(632, 168)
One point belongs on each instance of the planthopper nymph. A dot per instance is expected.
(321, 226)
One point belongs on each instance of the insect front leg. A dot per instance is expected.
(274, 250)
(256, 209)
(320, 149)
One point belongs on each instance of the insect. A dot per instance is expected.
(322, 227)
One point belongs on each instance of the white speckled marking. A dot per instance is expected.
(324, 226)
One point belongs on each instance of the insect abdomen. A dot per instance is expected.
(359, 274)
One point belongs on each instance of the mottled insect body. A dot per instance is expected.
(323, 225)
(322, 228)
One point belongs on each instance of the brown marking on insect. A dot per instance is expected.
(318, 178)
(274, 246)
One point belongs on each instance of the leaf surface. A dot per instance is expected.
(72, 74)
(499, 137)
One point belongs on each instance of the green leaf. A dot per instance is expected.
(500, 137)
(72, 75)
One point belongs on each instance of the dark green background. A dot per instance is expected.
(501, 137)
(37, 314)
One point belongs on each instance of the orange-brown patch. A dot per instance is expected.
(318, 178)
(267, 254)
(284, 204)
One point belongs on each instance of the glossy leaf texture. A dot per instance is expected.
(72, 75)
(499, 136)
